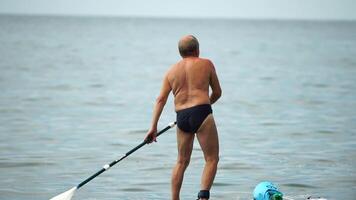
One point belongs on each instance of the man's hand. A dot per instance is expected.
(151, 135)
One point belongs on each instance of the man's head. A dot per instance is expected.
(188, 46)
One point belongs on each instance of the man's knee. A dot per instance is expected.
(182, 161)
(212, 160)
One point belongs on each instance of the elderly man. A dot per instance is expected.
(189, 81)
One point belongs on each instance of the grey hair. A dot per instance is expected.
(188, 47)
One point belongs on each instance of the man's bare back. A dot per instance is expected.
(189, 81)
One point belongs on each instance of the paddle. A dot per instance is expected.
(69, 194)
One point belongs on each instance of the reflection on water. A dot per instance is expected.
(77, 93)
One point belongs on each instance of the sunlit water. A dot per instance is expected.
(77, 93)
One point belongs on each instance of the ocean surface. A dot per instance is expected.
(77, 93)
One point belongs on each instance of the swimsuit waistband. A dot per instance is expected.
(197, 106)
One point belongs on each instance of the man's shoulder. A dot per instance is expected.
(206, 62)
(171, 70)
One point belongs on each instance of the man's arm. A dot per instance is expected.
(158, 107)
(215, 86)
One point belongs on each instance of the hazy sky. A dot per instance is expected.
(280, 9)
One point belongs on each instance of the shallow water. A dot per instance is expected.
(77, 93)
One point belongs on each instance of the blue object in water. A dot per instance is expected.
(267, 191)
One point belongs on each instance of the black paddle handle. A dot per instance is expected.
(107, 166)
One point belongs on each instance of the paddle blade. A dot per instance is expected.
(65, 195)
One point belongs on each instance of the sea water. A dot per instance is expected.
(78, 92)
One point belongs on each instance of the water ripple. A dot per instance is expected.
(23, 164)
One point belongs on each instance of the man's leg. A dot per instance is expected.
(208, 139)
(185, 147)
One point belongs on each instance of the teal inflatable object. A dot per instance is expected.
(267, 191)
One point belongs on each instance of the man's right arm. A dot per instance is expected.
(215, 86)
(157, 110)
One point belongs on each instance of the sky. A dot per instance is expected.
(251, 9)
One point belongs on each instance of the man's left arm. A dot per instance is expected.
(158, 107)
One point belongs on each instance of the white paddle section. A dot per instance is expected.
(65, 195)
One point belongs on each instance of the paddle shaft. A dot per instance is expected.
(107, 166)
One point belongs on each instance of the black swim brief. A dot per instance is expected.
(190, 119)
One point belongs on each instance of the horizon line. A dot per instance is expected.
(177, 17)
